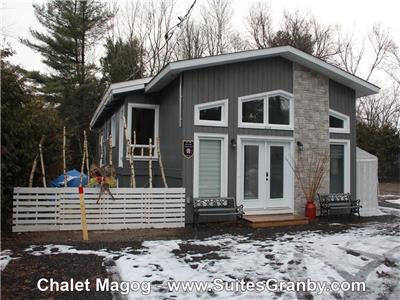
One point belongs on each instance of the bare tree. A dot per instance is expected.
(259, 23)
(382, 109)
(349, 54)
(325, 46)
(215, 25)
(190, 43)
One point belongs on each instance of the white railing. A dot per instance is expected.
(142, 151)
(52, 209)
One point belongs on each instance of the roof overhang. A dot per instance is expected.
(172, 70)
(114, 89)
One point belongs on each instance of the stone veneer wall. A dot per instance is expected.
(311, 120)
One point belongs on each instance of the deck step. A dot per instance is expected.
(261, 221)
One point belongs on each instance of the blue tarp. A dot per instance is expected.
(73, 179)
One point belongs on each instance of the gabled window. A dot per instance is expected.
(143, 122)
(271, 110)
(338, 122)
(211, 113)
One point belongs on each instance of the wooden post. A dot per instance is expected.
(101, 150)
(129, 153)
(86, 150)
(150, 164)
(110, 150)
(85, 233)
(42, 164)
(64, 159)
(160, 162)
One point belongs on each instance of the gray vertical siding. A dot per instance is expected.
(229, 82)
(343, 100)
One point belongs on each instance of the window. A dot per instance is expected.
(210, 165)
(272, 110)
(211, 113)
(121, 137)
(143, 122)
(339, 172)
(338, 122)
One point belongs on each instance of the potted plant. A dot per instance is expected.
(309, 169)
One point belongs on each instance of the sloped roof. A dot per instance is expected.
(169, 73)
(173, 69)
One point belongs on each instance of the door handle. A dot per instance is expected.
(266, 176)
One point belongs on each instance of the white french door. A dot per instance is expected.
(265, 177)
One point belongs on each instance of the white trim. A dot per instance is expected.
(117, 88)
(265, 97)
(121, 137)
(362, 87)
(224, 161)
(206, 105)
(347, 174)
(156, 122)
(114, 129)
(239, 170)
(344, 118)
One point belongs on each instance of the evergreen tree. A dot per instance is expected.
(25, 117)
(122, 61)
(72, 28)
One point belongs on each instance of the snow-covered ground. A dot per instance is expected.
(370, 253)
(394, 201)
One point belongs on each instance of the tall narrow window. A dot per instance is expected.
(210, 163)
(276, 166)
(337, 169)
(250, 172)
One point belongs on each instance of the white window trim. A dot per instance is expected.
(121, 137)
(113, 129)
(344, 118)
(224, 113)
(224, 161)
(156, 124)
(346, 143)
(265, 124)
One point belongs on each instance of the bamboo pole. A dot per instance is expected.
(42, 164)
(150, 164)
(101, 150)
(86, 150)
(64, 158)
(160, 162)
(110, 150)
(129, 153)
(34, 165)
(83, 161)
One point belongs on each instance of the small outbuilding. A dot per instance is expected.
(367, 182)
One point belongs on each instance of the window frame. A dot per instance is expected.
(224, 113)
(346, 167)
(224, 161)
(156, 108)
(340, 116)
(265, 97)
(113, 130)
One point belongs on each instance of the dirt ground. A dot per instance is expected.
(389, 188)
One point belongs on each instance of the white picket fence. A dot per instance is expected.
(52, 209)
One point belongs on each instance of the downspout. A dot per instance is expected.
(180, 101)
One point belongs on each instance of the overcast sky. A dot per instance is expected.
(352, 15)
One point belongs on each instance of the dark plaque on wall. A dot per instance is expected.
(188, 148)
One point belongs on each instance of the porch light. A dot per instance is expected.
(300, 146)
(233, 143)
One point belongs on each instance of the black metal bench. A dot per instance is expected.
(338, 202)
(210, 206)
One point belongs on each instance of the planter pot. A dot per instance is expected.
(311, 210)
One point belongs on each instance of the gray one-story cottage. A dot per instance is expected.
(245, 114)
